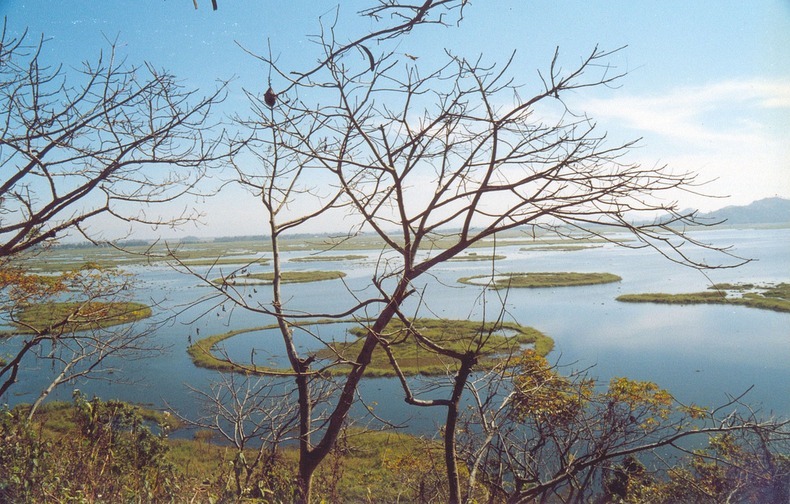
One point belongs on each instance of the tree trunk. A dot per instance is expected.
(311, 457)
(307, 465)
(450, 458)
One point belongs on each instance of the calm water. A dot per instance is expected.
(700, 353)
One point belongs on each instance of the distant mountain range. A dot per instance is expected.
(764, 211)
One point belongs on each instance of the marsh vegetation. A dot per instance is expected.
(774, 297)
(498, 344)
(285, 277)
(539, 280)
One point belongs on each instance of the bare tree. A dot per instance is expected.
(466, 362)
(79, 324)
(432, 163)
(249, 412)
(105, 139)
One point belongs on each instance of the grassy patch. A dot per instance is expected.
(683, 299)
(539, 280)
(362, 468)
(287, 277)
(81, 316)
(202, 354)
(366, 466)
(324, 258)
(57, 416)
(225, 261)
(456, 335)
(774, 297)
(474, 256)
(558, 248)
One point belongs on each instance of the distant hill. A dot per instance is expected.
(764, 211)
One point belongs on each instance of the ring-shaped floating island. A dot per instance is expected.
(539, 280)
(286, 277)
(493, 343)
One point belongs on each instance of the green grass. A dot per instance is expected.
(458, 335)
(224, 261)
(558, 248)
(57, 416)
(202, 354)
(473, 256)
(774, 297)
(363, 467)
(83, 316)
(541, 280)
(682, 299)
(324, 258)
(287, 277)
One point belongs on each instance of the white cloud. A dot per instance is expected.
(723, 111)
(732, 131)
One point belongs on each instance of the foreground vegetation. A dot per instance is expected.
(766, 297)
(109, 451)
(538, 280)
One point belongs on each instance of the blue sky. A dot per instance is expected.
(708, 84)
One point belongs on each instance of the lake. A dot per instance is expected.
(700, 353)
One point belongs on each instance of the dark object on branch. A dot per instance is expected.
(370, 57)
(213, 4)
(270, 97)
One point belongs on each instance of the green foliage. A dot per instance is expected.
(628, 482)
(107, 455)
(101, 451)
(369, 466)
(24, 460)
(733, 468)
(544, 394)
(538, 280)
(737, 467)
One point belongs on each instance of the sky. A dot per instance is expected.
(707, 86)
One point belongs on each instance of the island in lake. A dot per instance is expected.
(764, 296)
